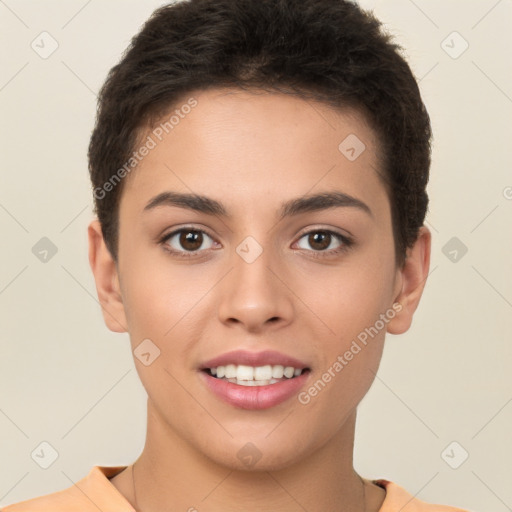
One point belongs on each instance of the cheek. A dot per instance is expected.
(168, 304)
(154, 294)
(350, 298)
(354, 306)
(351, 351)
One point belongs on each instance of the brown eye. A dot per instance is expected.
(191, 240)
(186, 241)
(319, 240)
(319, 243)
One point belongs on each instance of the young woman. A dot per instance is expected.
(259, 171)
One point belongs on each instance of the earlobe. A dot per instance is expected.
(106, 277)
(413, 276)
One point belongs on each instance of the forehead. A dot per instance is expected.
(256, 146)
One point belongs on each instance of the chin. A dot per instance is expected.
(255, 455)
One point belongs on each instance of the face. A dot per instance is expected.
(258, 274)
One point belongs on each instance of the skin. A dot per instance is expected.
(252, 151)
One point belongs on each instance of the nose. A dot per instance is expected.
(254, 295)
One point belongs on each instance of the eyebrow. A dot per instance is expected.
(308, 203)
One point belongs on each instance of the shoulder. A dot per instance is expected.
(397, 498)
(90, 494)
(61, 501)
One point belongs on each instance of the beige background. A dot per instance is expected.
(67, 380)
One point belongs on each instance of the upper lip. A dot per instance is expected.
(266, 357)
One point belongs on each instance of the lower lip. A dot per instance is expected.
(255, 397)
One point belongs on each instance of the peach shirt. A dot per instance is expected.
(96, 493)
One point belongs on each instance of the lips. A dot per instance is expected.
(243, 357)
(262, 394)
(257, 397)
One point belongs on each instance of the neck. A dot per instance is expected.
(324, 480)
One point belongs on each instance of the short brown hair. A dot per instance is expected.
(328, 50)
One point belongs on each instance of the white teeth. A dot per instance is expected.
(288, 372)
(277, 372)
(244, 372)
(263, 372)
(230, 371)
(255, 375)
(256, 382)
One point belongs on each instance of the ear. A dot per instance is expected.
(411, 281)
(107, 281)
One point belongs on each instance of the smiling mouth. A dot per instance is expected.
(244, 375)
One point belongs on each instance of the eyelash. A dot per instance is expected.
(346, 243)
